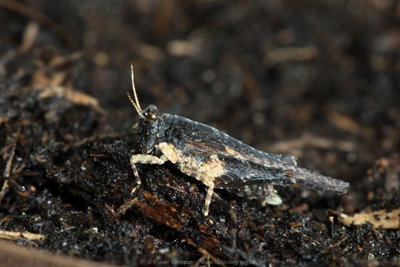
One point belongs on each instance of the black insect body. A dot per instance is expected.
(218, 160)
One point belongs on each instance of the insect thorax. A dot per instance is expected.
(147, 135)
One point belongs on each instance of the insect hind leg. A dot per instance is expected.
(271, 197)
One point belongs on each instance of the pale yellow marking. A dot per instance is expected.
(205, 171)
(169, 151)
(233, 152)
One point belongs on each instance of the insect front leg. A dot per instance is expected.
(144, 159)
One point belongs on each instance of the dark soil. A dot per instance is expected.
(315, 79)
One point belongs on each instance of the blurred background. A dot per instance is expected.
(315, 79)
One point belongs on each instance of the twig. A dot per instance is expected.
(40, 17)
(7, 171)
(17, 235)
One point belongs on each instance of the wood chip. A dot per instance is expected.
(380, 218)
(72, 95)
(21, 235)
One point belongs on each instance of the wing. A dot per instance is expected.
(242, 173)
(204, 136)
(207, 148)
(202, 148)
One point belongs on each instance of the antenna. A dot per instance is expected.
(135, 104)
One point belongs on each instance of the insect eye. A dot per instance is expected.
(152, 116)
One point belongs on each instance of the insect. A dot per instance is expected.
(218, 160)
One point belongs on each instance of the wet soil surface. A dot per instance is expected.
(316, 80)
